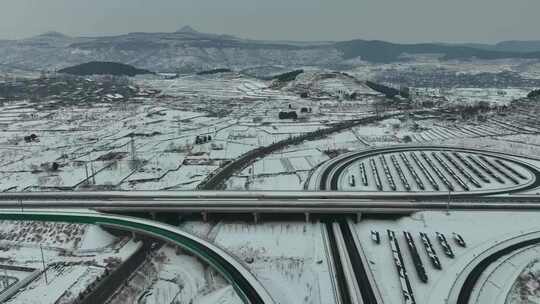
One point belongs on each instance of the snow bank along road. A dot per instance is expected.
(246, 285)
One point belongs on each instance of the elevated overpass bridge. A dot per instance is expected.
(263, 202)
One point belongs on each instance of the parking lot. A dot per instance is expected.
(435, 170)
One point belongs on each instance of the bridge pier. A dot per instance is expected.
(204, 216)
(306, 216)
(256, 217)
(358, 217)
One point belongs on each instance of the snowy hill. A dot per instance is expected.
(188, 50)
(184, 51)
(187, 29)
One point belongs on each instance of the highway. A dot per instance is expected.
(262, 203)
(345, 288)
(362, 276)
(235, 195)
(354, 282)
(244, 282)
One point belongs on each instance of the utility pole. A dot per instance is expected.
(5, 280)
(448, 203)
(44, 267)
(92, 171)
(86, 169)
(133, 151)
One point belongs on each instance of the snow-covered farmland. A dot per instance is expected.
(171, 276)
(288, 258)
(76, 256)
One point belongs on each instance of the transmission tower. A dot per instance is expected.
(133, 150)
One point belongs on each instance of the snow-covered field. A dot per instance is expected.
(76, 256)
(171, 276)
(150, 143)
(288, 258)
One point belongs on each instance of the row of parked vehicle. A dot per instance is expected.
(406, 288)
(451, 171)
(416, 257)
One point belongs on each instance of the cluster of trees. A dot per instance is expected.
(471, 110)
(214, 71)
(104, 68)
(290, 76)
(534, 94)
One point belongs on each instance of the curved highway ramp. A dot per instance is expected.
(244, 282)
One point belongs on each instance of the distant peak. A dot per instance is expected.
(53, 34)
(187, 29)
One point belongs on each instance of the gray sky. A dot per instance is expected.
(393, 20)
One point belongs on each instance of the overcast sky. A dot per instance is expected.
(393, 20)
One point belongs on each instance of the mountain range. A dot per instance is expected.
(188, 50)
